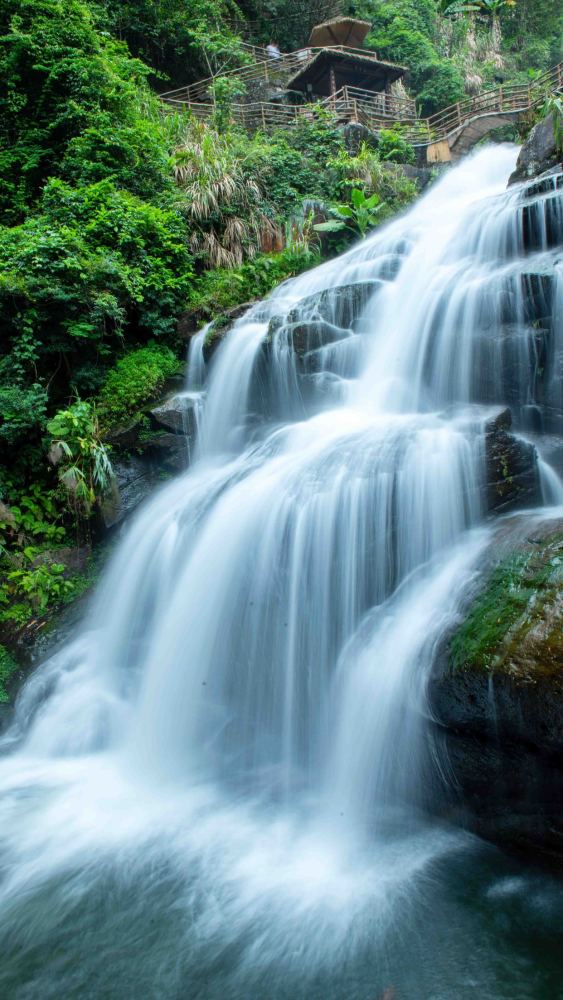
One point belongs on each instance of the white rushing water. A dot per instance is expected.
(218, 789)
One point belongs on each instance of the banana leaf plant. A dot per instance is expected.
(361, 214)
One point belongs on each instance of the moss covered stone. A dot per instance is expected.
(515, 623)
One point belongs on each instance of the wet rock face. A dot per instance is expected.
(341, 306)
(152, 448)
(512, 476)
(133, 481)
(221, 326)
(497, 694)
(175, 414)
(311, 336)
(194, 319)
(538, 154)
(542, 213)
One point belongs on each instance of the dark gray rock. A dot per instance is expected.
(175, 414)
(137, 475)
(312, 335)
(538, 154)
(512, 476)
(74, 558)
(124, 437)
(354, 134)
(547, 183)
(422, 176)
(133, 480)
(340, 306)
(506, 792)
(166, 452)
(542, 214)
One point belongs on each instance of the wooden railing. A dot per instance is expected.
(379, 110)
(501, 100)
(271, 71)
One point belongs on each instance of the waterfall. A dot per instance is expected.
(219, 788)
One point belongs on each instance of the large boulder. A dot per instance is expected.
(539, 153)
(496, 694)
(340, 306)
(177, 413)
(132, 482)
(312, 335)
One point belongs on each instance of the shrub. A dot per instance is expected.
(134, 380)
(440, 84)
(81, 459)
(394, 147)
(97, 261)
(219, 290)
(8, 667)
(22, 410)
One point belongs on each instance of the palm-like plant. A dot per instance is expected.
(225, 204)
(490, 7)
(494, 7)
(460, 7)
(81, 458)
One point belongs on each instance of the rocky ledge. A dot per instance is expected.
(540, 152)
(496, 694)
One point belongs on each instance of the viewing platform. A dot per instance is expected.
(336, 73)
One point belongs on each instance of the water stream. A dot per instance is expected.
(219, 790)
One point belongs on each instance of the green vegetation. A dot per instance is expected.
(393, 147)
(504, 611)
(135, 379)
(82, 461)
(454, 49)
(220, 290)
(407, 32)
(31, 535)
(8, 667)
(359, 215)
(554, 107)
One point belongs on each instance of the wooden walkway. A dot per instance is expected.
(445, 136)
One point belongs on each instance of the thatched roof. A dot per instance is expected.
(340, 31)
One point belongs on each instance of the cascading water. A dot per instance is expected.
(218, 790)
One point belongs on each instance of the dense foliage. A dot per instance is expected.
(135, 378)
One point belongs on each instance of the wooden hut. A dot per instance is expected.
(336, 60)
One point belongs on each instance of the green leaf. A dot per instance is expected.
(373, 202)
(346, 211)
(332, 226)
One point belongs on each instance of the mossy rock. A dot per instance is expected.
(515, 624)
